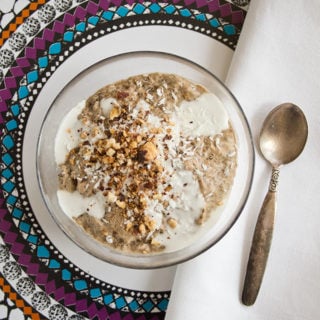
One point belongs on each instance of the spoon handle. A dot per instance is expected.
(261, 243)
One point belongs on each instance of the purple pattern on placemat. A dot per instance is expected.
(48, 35)
(31, 53)
(58, 27)
(17, 71)
(81, 305)
(22, 62)
(5, 94)
(41, 44)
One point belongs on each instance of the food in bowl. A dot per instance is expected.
(145, 162)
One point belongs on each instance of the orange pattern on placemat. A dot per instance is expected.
(20, 303)
(24, 14)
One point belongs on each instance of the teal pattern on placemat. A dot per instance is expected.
(35, 76)
(31, 83)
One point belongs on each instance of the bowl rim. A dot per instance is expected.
(134, 257)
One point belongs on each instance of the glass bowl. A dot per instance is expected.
(111, 70)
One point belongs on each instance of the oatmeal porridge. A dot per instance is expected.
(145, 162)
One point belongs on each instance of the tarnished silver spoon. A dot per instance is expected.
(282, 139)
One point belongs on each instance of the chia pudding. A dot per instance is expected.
(145, 162)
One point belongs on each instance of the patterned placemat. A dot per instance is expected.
(36, 280)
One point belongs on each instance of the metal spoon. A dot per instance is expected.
(282, 139)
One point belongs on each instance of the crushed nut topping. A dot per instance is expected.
(132, 154)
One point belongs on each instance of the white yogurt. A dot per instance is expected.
(204, 116)
(74, 204)
(68, 135)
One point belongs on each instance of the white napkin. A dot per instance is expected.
(277, 60)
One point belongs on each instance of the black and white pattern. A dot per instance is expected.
(31, 26)
(4, 253)
(40, 301)
(17, 41)
(6, 58)
(46, 13)
(63, 5)
(25, 286)
(11, 270)
(57, 312)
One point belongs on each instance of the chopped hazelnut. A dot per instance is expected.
(129, 226)
(107, 160)
(116, 146)
(121, 204)
(143, 201)
(84, 120)
(72, 161)
(95, 131)
(110, 152)
(172, 223)
(150, 223)
(111, 197)
(140, 121)
(156, 130)
(147, 152)
(157, 196)
(83, 135)
(110, 142)
(133, 144)
(115, 112)
(165, 204)
(142, 228)
(159, 167)
(155, 243)
(120, 156)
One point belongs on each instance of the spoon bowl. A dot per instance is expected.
(284, 134)
(282, 139)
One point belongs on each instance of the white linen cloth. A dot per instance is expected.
(277, 60)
